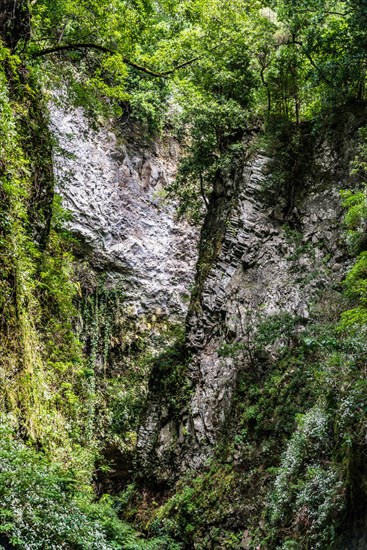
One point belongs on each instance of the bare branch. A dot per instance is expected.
(104, 49)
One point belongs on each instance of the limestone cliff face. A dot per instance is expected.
(114, 190)
(269, 255)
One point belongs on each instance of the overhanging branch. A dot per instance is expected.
(104, 49)
(315, 66)
(310, 58)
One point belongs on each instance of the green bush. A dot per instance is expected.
(308, 492)
(43, 506)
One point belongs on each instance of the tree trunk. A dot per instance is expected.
(15, 22)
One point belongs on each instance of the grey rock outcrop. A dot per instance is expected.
(274, 259)
(115, 192)
(270, 257)
(264, 268)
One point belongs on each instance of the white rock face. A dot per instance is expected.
(115, 194)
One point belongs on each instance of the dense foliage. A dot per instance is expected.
(229, 66)
(74, 367)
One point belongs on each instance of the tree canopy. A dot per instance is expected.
(227, 65)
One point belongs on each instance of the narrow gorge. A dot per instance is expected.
(183, 282)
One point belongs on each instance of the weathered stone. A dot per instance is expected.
(114, 194)
(258, 272)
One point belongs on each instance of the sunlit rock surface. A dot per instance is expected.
(115, 192)
(266, 267)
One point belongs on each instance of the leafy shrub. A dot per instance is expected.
(308, 491)
(199, 510)
(42, 506)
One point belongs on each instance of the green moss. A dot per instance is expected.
(168, 379)
(40, 352)
(200, 509)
